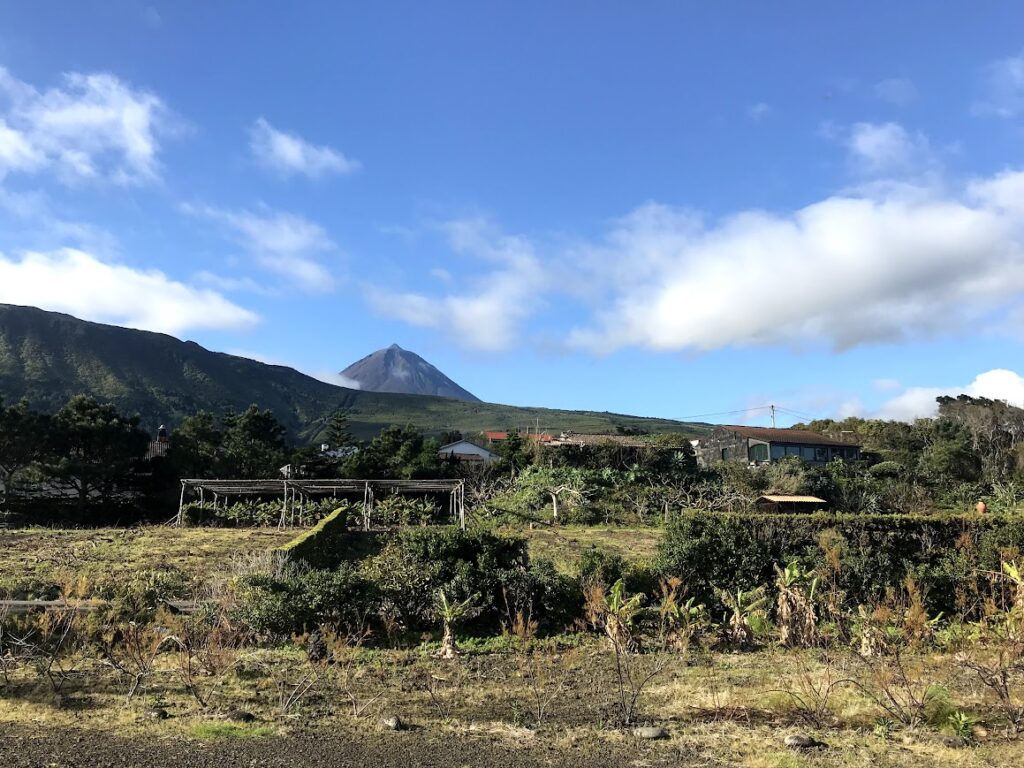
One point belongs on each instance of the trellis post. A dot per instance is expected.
(181, 504)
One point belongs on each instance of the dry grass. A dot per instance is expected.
(722, 714)
(564, 544)
(32, 560)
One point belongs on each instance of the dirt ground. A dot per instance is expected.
(63, 748)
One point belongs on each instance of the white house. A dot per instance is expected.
(463, 450)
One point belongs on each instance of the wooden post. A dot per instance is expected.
(462, 506)
(368, 506)
(181, 504)
(284, 506)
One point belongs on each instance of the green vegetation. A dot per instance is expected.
(43, 562)
(863, 556)
(321, 545)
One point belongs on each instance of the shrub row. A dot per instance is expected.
(396, 590)
(866, 554)
(321, 545)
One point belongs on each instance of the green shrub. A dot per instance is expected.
(321, 545)
(739, 551)
(598, 566)
(293, 600)
(417, 562)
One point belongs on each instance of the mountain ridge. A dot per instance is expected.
(46, 357)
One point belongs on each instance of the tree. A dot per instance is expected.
(253, 444)
(196, 445)
(23, 441)
(515, 452)
(450, 436)
(94, 449)
(400, 453)
(339, 434)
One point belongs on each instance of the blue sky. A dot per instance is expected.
(665, 209)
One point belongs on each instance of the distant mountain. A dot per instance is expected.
(398, 370)
(47, 357)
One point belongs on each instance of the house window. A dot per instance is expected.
(778, 451)
(792, 450)
(807, 453)
(725, 454)
(758, 452)
(821, 453)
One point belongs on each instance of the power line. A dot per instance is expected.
(769, 408)
(723, 413)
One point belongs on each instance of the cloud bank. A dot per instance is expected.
(76, 282)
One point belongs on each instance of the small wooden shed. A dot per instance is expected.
(780, 503)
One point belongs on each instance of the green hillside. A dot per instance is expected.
(46, 357)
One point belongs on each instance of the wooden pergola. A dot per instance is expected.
(295, 493)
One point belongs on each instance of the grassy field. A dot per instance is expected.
(34, 560)
(564, 545)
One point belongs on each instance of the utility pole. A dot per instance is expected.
(773, 415)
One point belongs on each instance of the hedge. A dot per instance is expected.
(947, 555)
(321, 545)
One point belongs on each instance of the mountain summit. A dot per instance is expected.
(398, 370)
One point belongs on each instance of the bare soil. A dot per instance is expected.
(21, 747)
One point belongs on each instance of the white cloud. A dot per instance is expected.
(1003, 88)
(284, 243)
(94, 126)
(892, 263)
(287, 154)
(328, 377)
(489, 313)
(916, 402)
(76, 282)
(877, 148)
(899, 91)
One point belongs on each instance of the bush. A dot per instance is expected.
(596, 566)
(709, 551)
(417, 562)
(294, 600)
(321, 545)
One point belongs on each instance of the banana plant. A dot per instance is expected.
(451, 613)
